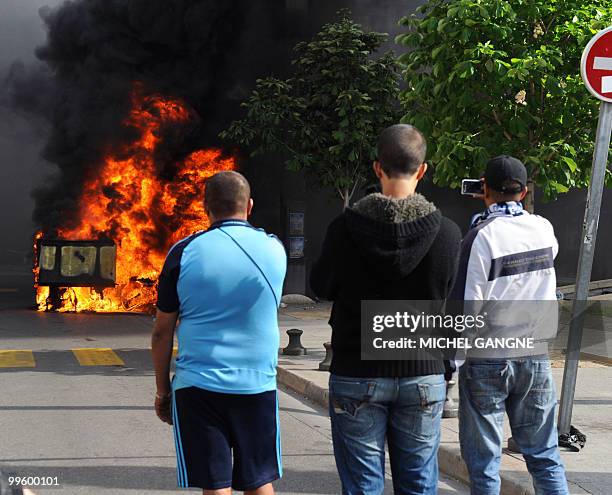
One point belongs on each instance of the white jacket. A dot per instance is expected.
(506, 272)
(508, 258)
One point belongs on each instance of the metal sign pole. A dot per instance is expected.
(585, 264)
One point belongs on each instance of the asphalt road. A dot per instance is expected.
(93, 427)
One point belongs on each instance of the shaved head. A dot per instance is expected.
(227, 194)
(401, 150)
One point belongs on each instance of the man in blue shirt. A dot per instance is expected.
(224, 286)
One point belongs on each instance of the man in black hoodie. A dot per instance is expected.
(393, 245)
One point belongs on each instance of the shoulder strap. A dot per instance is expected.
(252, 261)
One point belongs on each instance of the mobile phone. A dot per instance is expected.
(470, 187)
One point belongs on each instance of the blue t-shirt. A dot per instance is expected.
(226, 284)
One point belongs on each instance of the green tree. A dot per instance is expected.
(326, 117)
(486, 77)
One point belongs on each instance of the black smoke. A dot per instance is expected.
(206, 52)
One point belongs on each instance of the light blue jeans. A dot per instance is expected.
(405, 411)
(525, 390)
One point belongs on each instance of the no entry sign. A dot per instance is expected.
(596, 65)
(596, 68)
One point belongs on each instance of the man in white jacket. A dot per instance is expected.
(508, 255)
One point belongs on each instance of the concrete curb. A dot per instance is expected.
(295, 382)
(449, 458)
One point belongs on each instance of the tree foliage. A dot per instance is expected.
(327, 115)
(486, 77)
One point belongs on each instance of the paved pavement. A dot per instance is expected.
(75, 403)
(94, 425)
(588, 471)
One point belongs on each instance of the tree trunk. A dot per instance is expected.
(529, 201)
(346, 197)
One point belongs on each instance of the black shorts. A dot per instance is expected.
(211, 428)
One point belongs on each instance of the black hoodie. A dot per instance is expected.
(383, 248)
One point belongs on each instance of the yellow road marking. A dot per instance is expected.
(16, 359)
(97, 357)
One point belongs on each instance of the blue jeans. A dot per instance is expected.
(525, 390)
(405, 411)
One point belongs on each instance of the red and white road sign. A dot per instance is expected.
(596, 65)
(596, 69)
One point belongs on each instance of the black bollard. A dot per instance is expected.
(295, 347)
(326, 363)
(450, 410)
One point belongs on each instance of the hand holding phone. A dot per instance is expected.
(472, 187)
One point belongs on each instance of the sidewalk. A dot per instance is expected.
(589, 471)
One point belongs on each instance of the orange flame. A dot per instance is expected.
(142, 213)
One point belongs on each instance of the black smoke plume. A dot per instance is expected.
(206, 52)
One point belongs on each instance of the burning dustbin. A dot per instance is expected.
(62, 264)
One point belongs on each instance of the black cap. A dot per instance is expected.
(503, 169)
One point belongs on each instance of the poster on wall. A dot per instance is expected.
(296, 223)
(296, 247)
